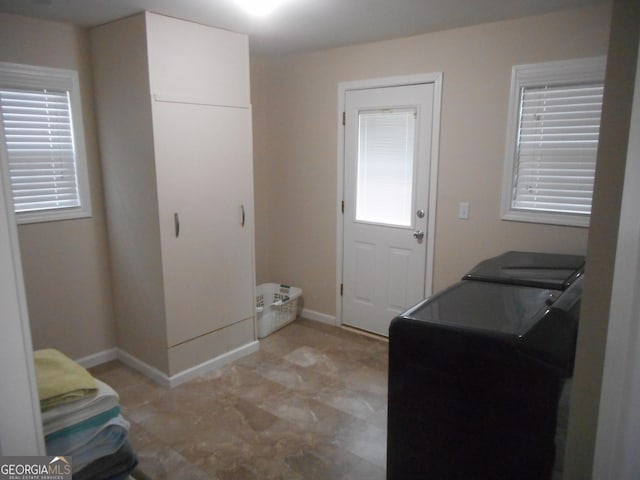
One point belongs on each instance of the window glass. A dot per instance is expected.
(557, 147)
(385, 167)
(552, 141)
(44, 154)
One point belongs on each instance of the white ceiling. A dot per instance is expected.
(302, 25)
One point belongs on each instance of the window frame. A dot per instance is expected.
(13, 75)
(564, 72)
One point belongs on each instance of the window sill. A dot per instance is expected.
(566, 220)
(52, 216)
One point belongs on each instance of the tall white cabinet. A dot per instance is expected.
(174, 122)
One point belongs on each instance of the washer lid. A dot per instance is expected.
(541, 270)
(486, 308)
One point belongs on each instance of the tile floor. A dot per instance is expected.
(311, 404)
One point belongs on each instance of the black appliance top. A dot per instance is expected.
(541, 270)
(485, 307)
(540, 323)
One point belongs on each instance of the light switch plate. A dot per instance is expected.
(463, 210)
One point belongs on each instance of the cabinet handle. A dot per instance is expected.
(243, 215)
(176, 223)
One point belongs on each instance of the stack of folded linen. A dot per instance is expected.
(81, 419)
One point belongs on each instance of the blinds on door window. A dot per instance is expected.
(385, 166)
(556, 148)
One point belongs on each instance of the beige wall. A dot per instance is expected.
(66, 262)
(261, 179)
(298, 108)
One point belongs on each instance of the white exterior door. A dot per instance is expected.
(388, 134)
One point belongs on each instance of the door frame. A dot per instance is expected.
(397, 81)
(20, 419)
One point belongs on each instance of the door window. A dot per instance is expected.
(384, 189)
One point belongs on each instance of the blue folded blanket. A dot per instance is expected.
(87, 441)
(94, 421)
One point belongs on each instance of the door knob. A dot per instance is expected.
(418, 234)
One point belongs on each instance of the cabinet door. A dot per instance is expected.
(205, 189)
(195, 63)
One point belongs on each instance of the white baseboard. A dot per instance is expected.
(213, 364)
(160, 377)
(318, 317)
(98, 358)
(144, 368)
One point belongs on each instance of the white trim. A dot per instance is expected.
(343, 87)
(172, 381)
(98, 358)
(618, 433)
(565, 219)
(581, 70)
(192, 100)
(213, 364)
(20, 420)
(144, 368)
(319, 317)
(162, 378)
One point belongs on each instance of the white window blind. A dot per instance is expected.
(556, 148)
(552, 141)
(39, 141)
(42, 143)
(385, 167)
